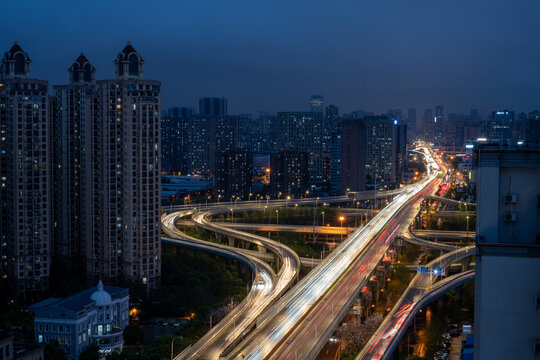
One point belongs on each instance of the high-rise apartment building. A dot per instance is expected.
(73, 109)
(439, 125)
(107, 171)
(507, 290)
(233, 174)
(303, 130)
(213, 106)
(25, 186)
(335, 161)
(500, 125)
(288, 173)
(125, 210)
(411, 122)
(381, 151)
(174, 145)
(316, 103)
(429, 125)
(353, 156)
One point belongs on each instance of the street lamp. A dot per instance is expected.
(172, 346)
(341, 218)
(307, 193)
(467, 228)
(250, 194)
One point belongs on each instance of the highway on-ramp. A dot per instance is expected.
(383, 342)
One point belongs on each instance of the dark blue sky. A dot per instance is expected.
(272, 55)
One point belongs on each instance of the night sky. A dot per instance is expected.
(272, 55)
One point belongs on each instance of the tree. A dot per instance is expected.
(133, 335)
(416, 357)
(91, 352)
(53, 351)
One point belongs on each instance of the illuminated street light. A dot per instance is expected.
(341, 218)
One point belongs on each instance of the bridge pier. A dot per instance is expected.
(465, 263)
(231, 241)
(261, 248)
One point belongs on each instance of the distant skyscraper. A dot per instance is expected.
(303, 130)
(174, 140)
(353, 156)
(533, 126)
(381, 150)
(335, 161)
(439, 125)
(429, 125)
(25, 187)
(501, 125)
(213, 106)
(411, 121)
(233, 173)
(507, 287)
(288, 173)
(317, 103)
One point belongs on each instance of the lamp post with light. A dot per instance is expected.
(341, 218)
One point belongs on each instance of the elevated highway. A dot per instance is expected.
(299, 324)
(444, 235)
(334, 230)
(262, 288)
(419, 293)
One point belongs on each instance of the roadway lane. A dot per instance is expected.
(212, 344)
(383, 342)
(335, 230)
(300, 323)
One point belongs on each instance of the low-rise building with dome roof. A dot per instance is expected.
(98, 314)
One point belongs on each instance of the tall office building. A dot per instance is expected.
(288, 173)
(507, 290)
(213, 106)
(73, 108)
(25, 187)
(233, 174)
(124, 196)
(316, 103)
(353, 156)
(381, 151)
(303, 130)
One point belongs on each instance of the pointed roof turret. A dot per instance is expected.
(16, 63)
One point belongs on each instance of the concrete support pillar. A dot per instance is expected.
(465, 264)
(231, 241)
(261, 248)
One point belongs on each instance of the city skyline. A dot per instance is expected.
(480, 57)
